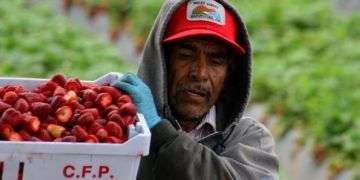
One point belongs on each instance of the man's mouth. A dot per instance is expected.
(194, 93)
(197, 92)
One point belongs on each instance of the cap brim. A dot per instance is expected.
(203, 32)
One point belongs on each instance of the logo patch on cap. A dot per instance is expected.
(205, 10)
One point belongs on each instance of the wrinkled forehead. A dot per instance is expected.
(202, 43)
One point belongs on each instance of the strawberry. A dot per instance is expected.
(102, 134)
(86, 119)
(12, 117)
(55, 130)
(101, 121)
(73, 84)
(4, 106)
(127, 120)
(89, 95)
(22, 105)
(94, 111)
(47, 93)
(16, 88)
(119, 104)
(5, 131)
(66, 133)
(44, 135)
(25, 117)
(2, 92)
(25, 135)
(116, 118)
(50, 120)
(10, 97)
(79, 111)
(90, 85)
(104, 100)
(80, 107)
(74, 120)
(94, 127)
(79, 132)
(123, 139)
(69, 139)
(40, 109)
(33, 124)
(47, 86)
(112, 140)
(113, 112)
(14, 136)
(59, 139)
(32, 97)
(128, 109)
(58, 79)
(44, 125)
(35, 139)
(88, 104)
(91, 139)
(71, 96)
(59, 91)
(114, 129)
(57, 102)
(124, 99)
(111, 90)
(75, 105)
(64, 114)
(110, 108)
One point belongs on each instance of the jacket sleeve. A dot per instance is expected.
(248, 154)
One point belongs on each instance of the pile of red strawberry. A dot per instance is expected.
(65, 110)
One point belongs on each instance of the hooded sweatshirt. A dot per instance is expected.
(241, 148)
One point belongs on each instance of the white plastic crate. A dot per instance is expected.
(60, 160)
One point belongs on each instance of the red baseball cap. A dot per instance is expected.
(203, 18)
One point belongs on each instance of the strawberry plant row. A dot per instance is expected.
(306, 64)
(37, 42)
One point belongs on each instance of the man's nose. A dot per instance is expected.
(199, 69)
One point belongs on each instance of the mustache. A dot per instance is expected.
(199, 88)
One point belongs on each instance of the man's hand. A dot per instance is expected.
(141, 96)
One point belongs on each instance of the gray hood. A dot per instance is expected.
(152, 70)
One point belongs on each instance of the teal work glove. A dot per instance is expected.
(141, 96)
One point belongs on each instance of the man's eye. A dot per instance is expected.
(218, 60)
(185, 54)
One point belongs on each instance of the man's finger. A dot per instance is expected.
(130, 78)
(124, 86)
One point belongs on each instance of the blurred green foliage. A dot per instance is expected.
(118, 11)
(143, 16)
(306, 67)
(37, 42)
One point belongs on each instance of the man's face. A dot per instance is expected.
(198, 68)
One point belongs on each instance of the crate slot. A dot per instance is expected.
(1, 169)
(21, 171)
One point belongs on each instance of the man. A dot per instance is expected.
(195, 84)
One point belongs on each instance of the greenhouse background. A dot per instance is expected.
(306, 65)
